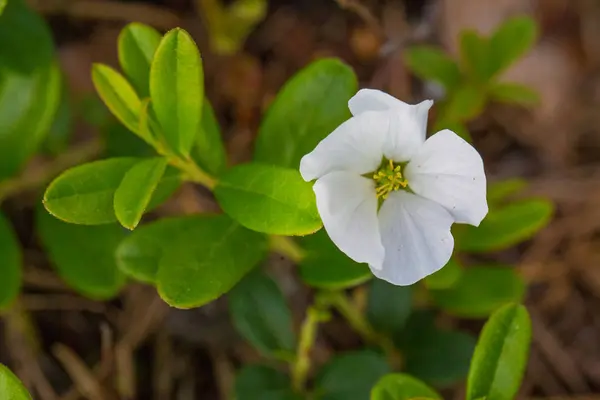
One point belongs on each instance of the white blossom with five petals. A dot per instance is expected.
(387, 196)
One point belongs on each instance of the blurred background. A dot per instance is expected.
(62, 344)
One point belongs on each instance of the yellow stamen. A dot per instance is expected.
(388, 179)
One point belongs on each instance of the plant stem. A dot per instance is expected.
(194, 173)
(308, 335)
(361, 325)
(288, 247)
(34, 179)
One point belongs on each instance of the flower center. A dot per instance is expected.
(388, 178)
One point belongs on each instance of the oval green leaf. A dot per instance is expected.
(514, 93)
(350, 376)
(139, 254)
(480, 291)
(499, 192)
(464, 104)
(501, 355)
(475, 56)
(261, 315)
(177, 89)
(119, 142)
(118, 95)
(26, 40)
(504, 227)
(269, 199)
(511, 41)
(11, 387)
(11, 262)
(137, 45)
(83, 255)
(389, 306)
(208, 261)
(431, 63)
(61, 130)
(402, 387)
(168, 185)
(84, 194)
(28, 104)
(308, 108)
(209, 150)
(445, 277)
(259, 382)
(135, 190)
(326, 267)
(438, 357)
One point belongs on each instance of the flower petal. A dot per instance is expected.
(450, 171)
(408, 122)
(354, 146)
(373, 100)
(348, 207)
(415, 233)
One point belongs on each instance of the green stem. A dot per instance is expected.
(308, 335)
(357, 321)
(288, 247)
(361, 325)
(193, 172)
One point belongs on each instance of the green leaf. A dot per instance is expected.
(206, 262)
(498, 192)
(326, 267)
(118, 95)
(11, 262)
(84, 194)
(389, 306)
(139, 254)
(26, 40)
(514, 93)
(431, 63)
(177, 89)
(446, 277)
(511, 41)
(135, 190)
(28, 104)
(438, 357)
(504, 227)
(229, 26)
(208, 150)
(259, 382)
(464, 104)
(2, 6)
(261, 315)
(350, 376)
(308, 108)
(119, 142)
(94, 112)
(11, 387)
(480, 291)
(137, 45)
(402, 387)
(475, 56)
(148, 127)
(269, 199)
(57, 139)
(501, 355)
(83, 255)
(170, 182)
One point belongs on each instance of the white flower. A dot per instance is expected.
(387, 196)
